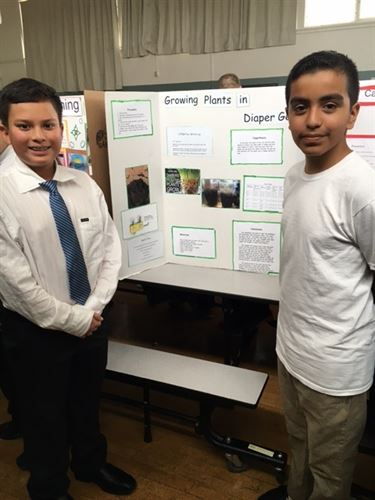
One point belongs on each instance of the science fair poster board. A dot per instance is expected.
(197, 176)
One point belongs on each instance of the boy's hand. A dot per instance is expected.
(95, 323)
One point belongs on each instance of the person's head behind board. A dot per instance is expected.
(27, 90)
(229, 81)
(326, 60)
(31, 115)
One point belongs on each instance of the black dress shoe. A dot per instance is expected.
(9, 430)
(112, 480)
(279, 493)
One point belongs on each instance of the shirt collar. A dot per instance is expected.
(27, 179)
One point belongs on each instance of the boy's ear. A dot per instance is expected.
(3, 129)
(353, 115)
(4, 132)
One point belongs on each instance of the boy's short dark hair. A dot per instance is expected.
(324, 60)
(27, 90)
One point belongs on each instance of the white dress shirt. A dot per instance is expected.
(7, 159)
(33, 276)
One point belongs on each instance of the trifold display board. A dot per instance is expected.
(197, 177)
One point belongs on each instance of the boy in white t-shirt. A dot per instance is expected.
(326, 324)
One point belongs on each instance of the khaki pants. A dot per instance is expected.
(324, 434)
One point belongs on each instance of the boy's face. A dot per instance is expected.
(320, 113)
(35, 134)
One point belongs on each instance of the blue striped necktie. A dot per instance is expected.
(79, 286)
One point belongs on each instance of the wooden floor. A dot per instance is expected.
(178, 464)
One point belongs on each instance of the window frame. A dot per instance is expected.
(356, 23)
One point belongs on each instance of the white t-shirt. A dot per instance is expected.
(326, 324)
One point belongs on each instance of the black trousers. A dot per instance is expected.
(6, 383)
(58, 381)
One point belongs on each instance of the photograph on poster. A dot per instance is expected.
(137, 186)
(182, 180)
(221, 193)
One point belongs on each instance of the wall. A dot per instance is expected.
(268, 64)
(12, 63)
(255, 67)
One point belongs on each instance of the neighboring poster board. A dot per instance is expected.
(74, 151)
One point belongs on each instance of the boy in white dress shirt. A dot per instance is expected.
(55, 342)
